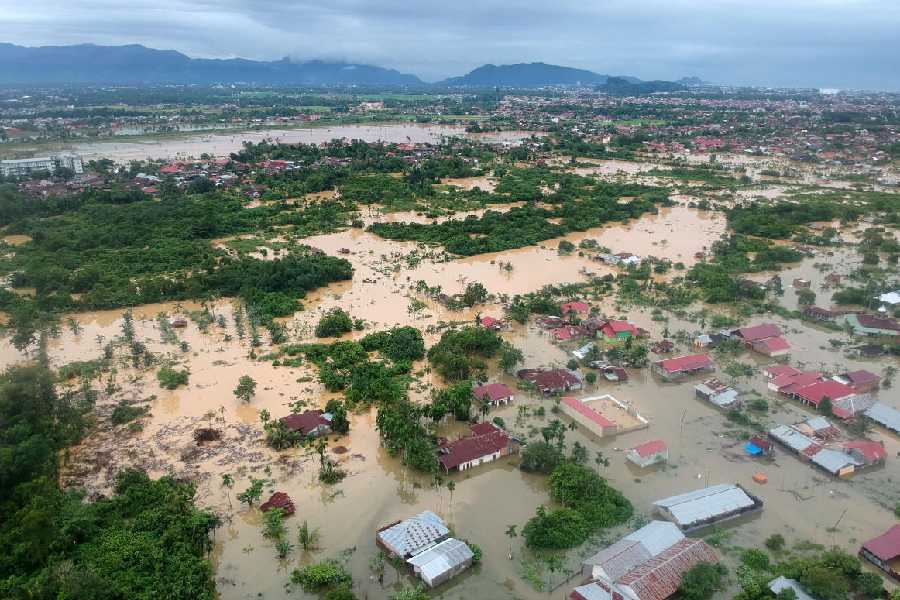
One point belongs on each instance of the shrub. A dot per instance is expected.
(322, 575)
(170, 378)
(555, 530)
(334, 323)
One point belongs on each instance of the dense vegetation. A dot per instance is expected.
(577, 206)
(460, 353)
(146, 541)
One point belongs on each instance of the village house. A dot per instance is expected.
(872, 326)
(766, 339)
(703, 507)
(309, 423)
(860, 381)
(886, 416)
(492, 323)
(618, 330)
(884, 552)
(816, 313)
(716, 392)
(442, 561)
(682, 366)
(613, 562)
(494, 394)
(486, 444)
(757, 446)
(781, 583)
(653, 579)
(576, 307)
(551, 381)
(868, 453)
(648, 453)
(412, 536)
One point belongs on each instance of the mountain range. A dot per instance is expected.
(136, 64)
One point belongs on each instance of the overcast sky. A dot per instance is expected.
(820, 43)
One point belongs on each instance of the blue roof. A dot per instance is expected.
(753, 449)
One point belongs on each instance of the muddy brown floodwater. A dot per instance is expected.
(800, 502)
(218, 144)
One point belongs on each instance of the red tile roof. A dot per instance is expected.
(690, 362)
(773, 344)
(861, 377)
(871, 451)
(306, 421)
(886, 546)
(492, 391)
(587, 412)
(611, 328)
(660, 577)
(816, 392)
(279, 500)
(759, 332)
(652, 447)
(878, 322)
(487, 439)
(787, 384)
(575, 305)
(491, 322)
(775, 371)
(553, 380)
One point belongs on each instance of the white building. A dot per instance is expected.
(26, 166)
(442, 561)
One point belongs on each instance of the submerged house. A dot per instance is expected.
(618, 330)
(413, 535)
(442, 561)
(424, 542)
(550, 381)
(613, 562)
(884, 552)
(682, 366)
(870, 325)
(309, 423)
(486, 444)
(714, 504)
(766, 339)
(886, 416)
(648, 453)
(654, 579)
(494, 394)
(717, 393)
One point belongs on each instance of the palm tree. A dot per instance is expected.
(307, 537)
(228, 482)
(510, 533)
(451, 485)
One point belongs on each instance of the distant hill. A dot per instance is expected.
(620, 86)
(526, 75)
(88, 63)
(691, 81)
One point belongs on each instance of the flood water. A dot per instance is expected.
(222, 144)
(800, 502)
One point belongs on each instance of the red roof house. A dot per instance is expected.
(618, 329)
(871, 453)
(491, 323)
(860, 381)
(552, 380)
(309, 423)
(774, 346)
(883, 551)
(659, 578)
(487, 443)
(814, 393)
(648, 453)
(279, 500)
(758, 332)
(673, 368)
(589, 417)
(576, 306)
(494, 393)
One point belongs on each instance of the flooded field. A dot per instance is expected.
(220, 144)
(800, 503)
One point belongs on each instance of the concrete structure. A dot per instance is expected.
(442, 561)
(648, 453)
(603, 415)
(24, 167)
(412, 536)
(714, 504)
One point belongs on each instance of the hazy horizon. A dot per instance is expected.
(790, 43)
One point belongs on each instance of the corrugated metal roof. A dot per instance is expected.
(441, 558)
(791, 438)
(783, 583)
(885, 415)
(591, 591)
(414, 534)
(707, 503)
(834, 461)
(657, 536)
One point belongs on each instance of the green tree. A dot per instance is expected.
(334, 323)
(308, 537)
(253, 493)
(245, 389)
(702, 581)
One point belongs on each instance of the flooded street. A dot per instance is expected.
(800, 502)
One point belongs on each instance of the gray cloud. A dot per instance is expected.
(827, 43)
